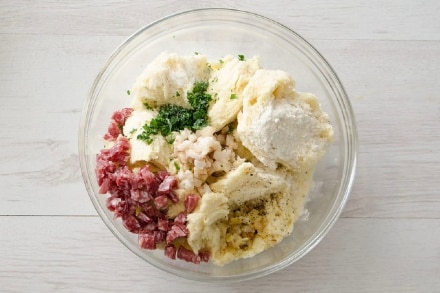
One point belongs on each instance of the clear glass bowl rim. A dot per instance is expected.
(349, 167)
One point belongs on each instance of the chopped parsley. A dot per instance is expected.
(128, 92)
(176, 166)
(174, 118)
(233, 96)
(241, 57)
(147, 106)
(177, 94)
(230, 128)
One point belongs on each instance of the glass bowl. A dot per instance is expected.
(216, 33)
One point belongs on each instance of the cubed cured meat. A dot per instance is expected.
(121, 116)
(188, 255)
(141, 197)
(147, 241)
(177, 230)
(191, 201)
(170, 251)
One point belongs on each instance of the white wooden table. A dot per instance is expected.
(387, 54)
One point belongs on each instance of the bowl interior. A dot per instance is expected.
(216, 33)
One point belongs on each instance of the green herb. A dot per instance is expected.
(147, 106)
(176, 165)
(241, 57)
(221, 61)
(197, 53)
(233, 96)
(215, 79)
(174, 118)
(177, 94)
(133, 130)
(230, 128)
(128, 92)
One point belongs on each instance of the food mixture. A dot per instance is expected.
(214, 158)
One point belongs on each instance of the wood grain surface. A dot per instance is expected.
(387, 55)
